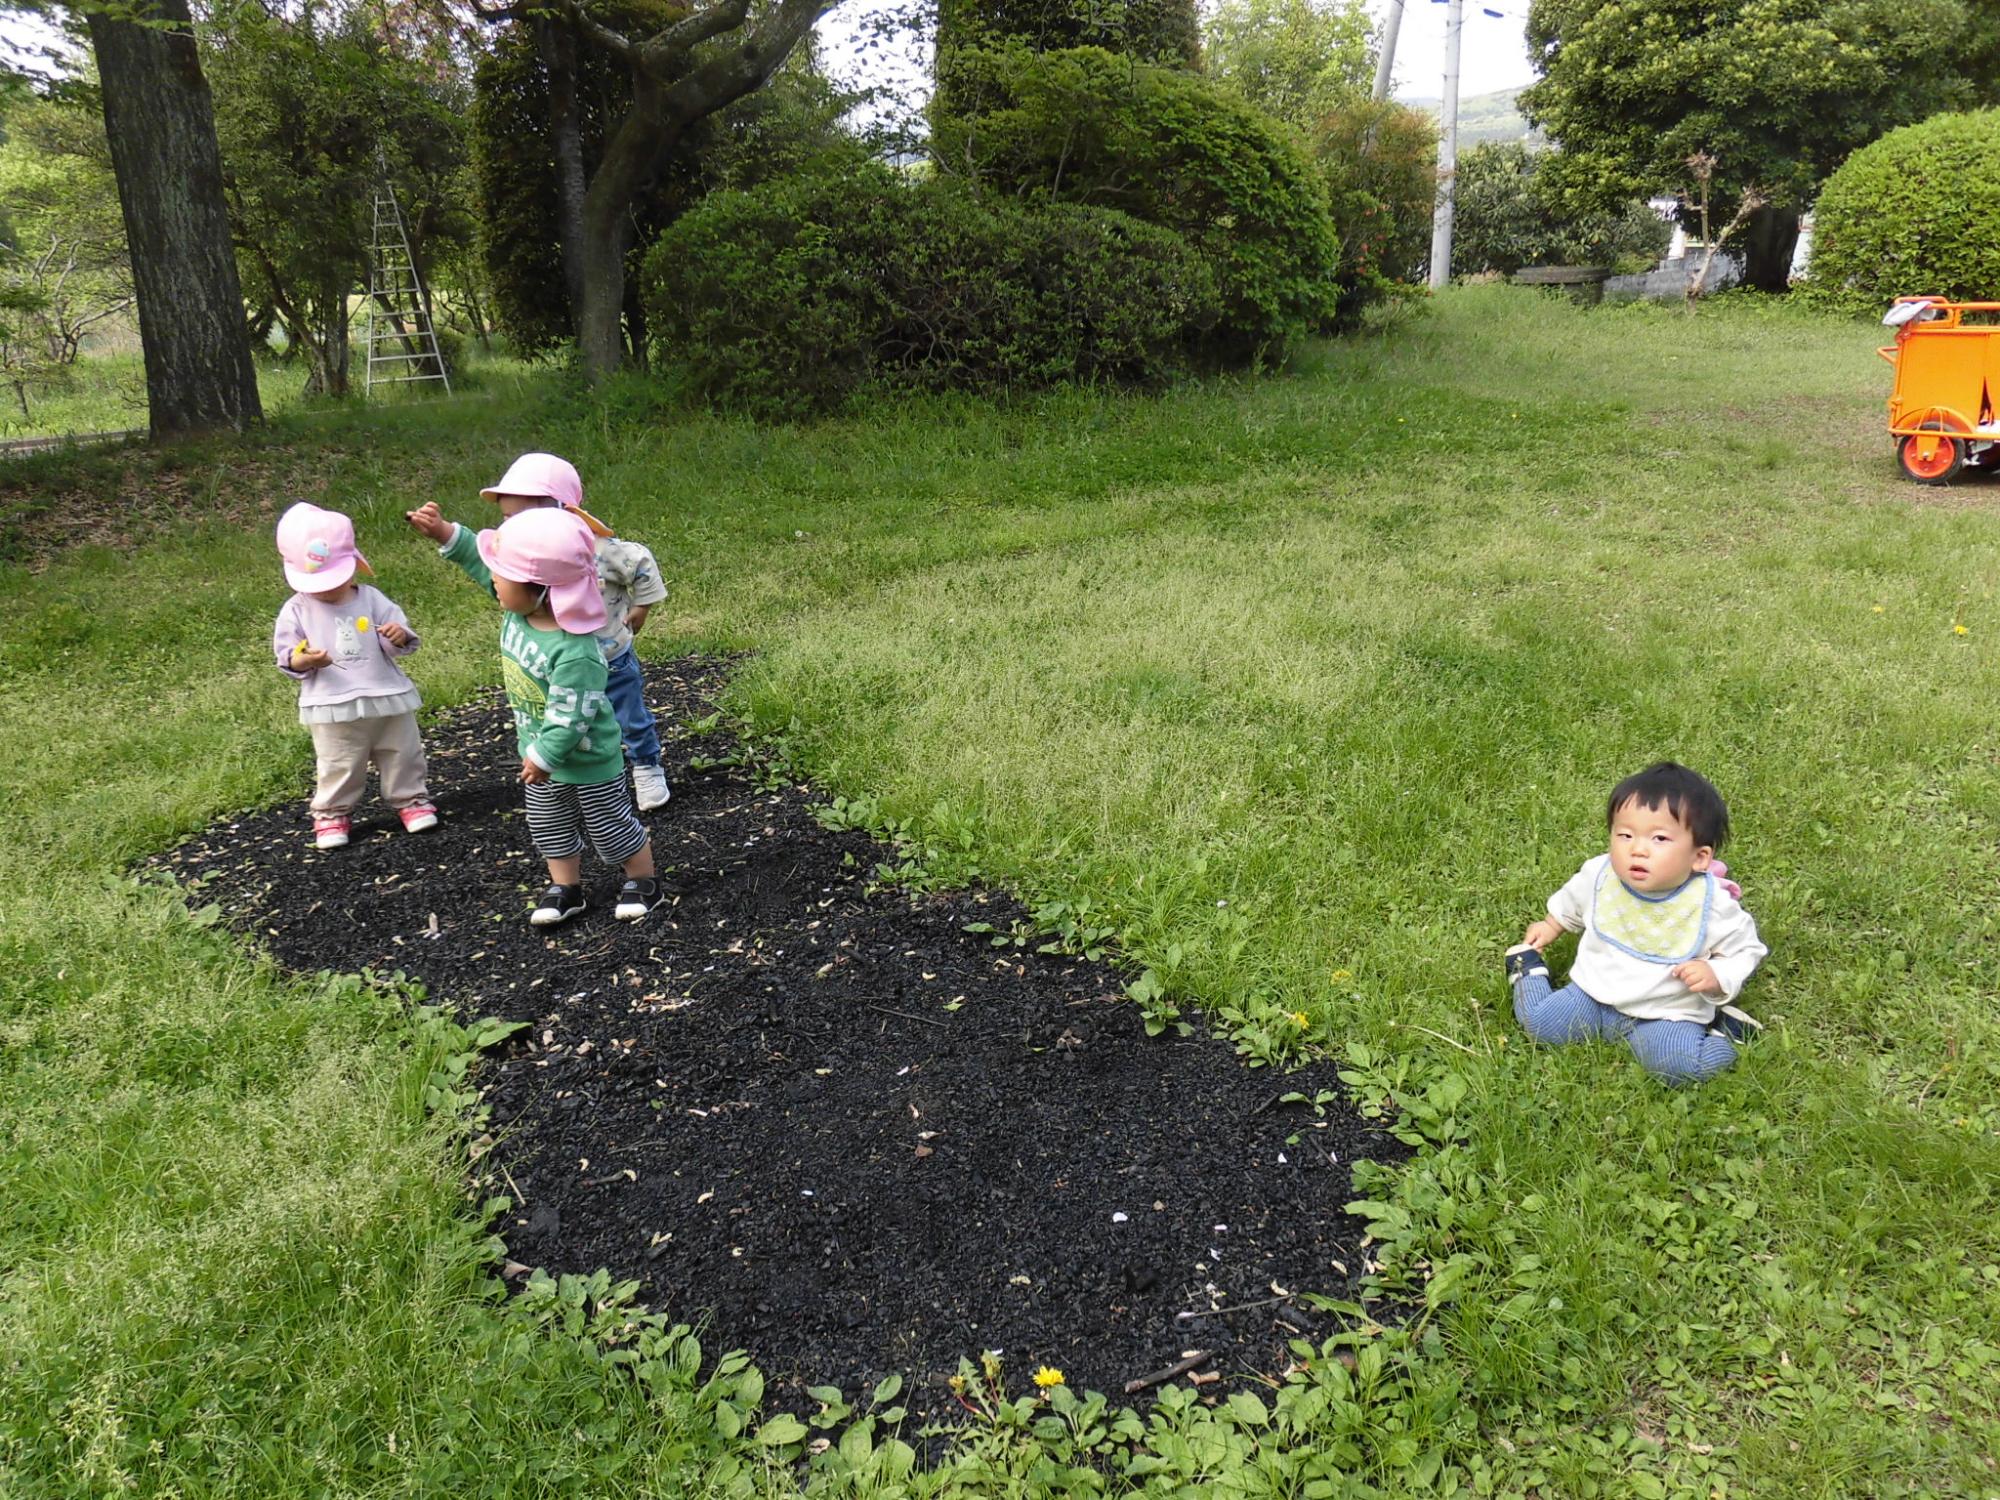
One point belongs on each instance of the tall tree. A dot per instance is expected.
(313, 107)
(791, 123)
(682, 70)
(1295, 59)
(62, 243)
(160, 120)
(1775, 92)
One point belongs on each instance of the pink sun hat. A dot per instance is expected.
(544, 476)
(318, 549)
(548, 547)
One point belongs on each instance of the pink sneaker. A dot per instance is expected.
(330, 830)
(417, 819)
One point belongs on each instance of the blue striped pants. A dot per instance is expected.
(1672, 1051)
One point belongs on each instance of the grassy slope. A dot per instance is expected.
(1313, 687)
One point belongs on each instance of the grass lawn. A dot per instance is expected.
(107, 393)
(1313, 688)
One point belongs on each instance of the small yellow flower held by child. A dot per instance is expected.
(1048, 1377)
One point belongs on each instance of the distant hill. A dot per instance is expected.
(1486, 117)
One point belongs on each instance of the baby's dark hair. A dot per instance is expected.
(1686, 795)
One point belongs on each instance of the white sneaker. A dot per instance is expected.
(649, 786)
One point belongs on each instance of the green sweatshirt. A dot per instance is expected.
(555, 684)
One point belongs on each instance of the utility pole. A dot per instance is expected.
(1386, 63)
(1454, 30)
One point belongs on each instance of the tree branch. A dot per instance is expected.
(604, 36)
(662, 52)
(726, 78)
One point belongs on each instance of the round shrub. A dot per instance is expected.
(1086, 126)
(790, 298)
(1917, 212)
(1380, 164)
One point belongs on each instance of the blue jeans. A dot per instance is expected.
(627, 691)
(1672, 1051)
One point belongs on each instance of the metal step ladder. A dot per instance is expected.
(402, 344)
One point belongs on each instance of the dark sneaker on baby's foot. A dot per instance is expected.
(558, 904)
(1737, 1025)
(637, 897)
(1523, 960)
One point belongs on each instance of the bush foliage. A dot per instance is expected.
(1380, 164)
(1504, 220)
(1088, 127)
(787, 299)
(1916, 212)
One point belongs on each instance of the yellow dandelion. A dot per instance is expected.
(1960, 630)
(1342, 976)
(1299, 1019)
(1048, 1377)
(1879, 610)
(361, 623)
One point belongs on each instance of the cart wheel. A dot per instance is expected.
(1931, 460)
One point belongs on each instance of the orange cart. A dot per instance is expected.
(1942, 410)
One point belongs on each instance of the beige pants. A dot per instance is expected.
(345, 750)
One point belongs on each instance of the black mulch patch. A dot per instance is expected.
(856, 1136)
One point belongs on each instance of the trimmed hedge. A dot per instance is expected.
(789, 299)
(1915, 213)
(1086, 126)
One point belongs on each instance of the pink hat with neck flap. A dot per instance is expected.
(543, 476)
(318, 549)
(551, 548)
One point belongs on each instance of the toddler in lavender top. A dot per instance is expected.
(340, 640)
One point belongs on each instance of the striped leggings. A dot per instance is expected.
(1672, 1051)
(559, 815)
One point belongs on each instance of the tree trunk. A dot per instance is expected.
(327, 348)
(648, 133)
(559, 55)
(1767, 242)
(161, 124)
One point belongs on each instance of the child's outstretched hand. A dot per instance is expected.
(1698, 976)
(429, 520)
(307, 657)
(395, 634)
(532, 774)
(1540, 934)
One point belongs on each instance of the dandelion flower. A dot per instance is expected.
(1342, 976)
(1879, 609)
(1960, 630)
(1299, 1019)
(1048, 1377)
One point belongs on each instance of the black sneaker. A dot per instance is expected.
(1522, 961)
(558, 904)
(1737, 1025)
(637, 897)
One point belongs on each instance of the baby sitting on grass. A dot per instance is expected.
(1666, 947)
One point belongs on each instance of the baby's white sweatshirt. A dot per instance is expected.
(1645, 988)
